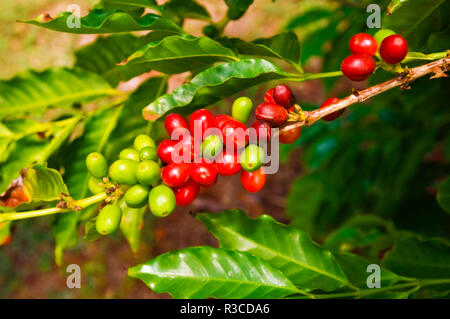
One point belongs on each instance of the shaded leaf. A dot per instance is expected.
(304, 262)
(236, 8)
(35, 91)
(43, 184)
(443, 195)
(178, 10)
(201, 272)
(90, 231)
(131, 224)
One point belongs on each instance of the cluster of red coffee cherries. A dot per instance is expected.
(358, 66)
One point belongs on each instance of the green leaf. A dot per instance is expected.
(216, 83)
(129, 4)
(236, 8)
(304, 262)
(201, 272)
(284, 46)
(5, 232)
(180, 9)
(130, 118)
(32, 148)
(43, 184)
(415, 20)
(417, 258)
(355, 269)
(308, 17)
(35, 91)
(394, 5)
(177, 54)
(443, 195)
(90, 231)
(131, 224)
(418, 56)
(105, 21)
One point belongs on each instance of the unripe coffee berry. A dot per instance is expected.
(363, 43)
(211, 147)
(252, 158)
(161, 200)
(95, 185)
(96, 165)
(382, 34)
(148, 153)
(242, 108)
(148, 172)
(123, 171)
(108, 220)
(136, 196)
(358, 67)
(394, 49)
(129, 153)
(142, 141)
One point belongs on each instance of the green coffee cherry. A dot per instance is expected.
(129, 153)
(212, 146)
(96, 165)
(108, 220)
(142, 141)
(161, 200)
(242, 108)
(148, 153)
(95, 185)
(136, 196)
(252, 158)
(148, 172)
(123, 171)
(382, 34)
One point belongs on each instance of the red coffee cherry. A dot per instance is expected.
(165, 150)
(268, 98)
(272, 113)
(186, 193)
(358, 67)
(394, 49)
(334, 115)
(289, 136)
(283, 96)
(185, 149)
(175, 174)
(262, 131)
(204, 120)
(228, 164)
(235, 132)
(204, 173)
(219, 120)
(174, 121)
(253, 181)
(363, 43)
(214, 182)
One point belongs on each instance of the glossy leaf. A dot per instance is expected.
(130, 118)
(177, 54)
(131, 224)
(285, 46)
(201, 272)
(304, 262)
(105, 21)
(35, 91)
(32, 148)
(417, 258)
(443, 195)
(178, 10)
(214, 84)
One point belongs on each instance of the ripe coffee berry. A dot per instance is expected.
(272, 113)
(334, 115)
(219, 120)
(283, 96)
(228, 164)
(268, 98)
(235, 134)
(262, 131)
(200, 121)
(394, 49)
(175, 174)
(174, 121)
(358, 67)
(253, 181)
(363, 43)
(204, 173)
(186, 193)
(165, 150)
(289, 136)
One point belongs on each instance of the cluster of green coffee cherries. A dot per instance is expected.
(137, 176)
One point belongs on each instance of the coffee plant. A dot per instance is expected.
(374, 190)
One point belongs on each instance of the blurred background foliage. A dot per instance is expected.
(357, 184)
